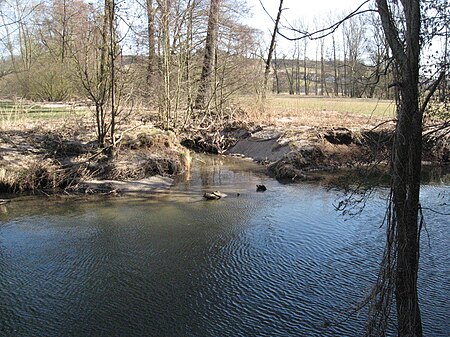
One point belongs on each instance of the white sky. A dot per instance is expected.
(295, 10)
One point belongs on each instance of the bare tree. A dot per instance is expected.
(305, 67)
(271, 49)
(151, 36)
(335, 69)
(96, 54)
(354, 34)
(401, 24)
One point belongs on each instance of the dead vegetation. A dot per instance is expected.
(39, 156)
(52, 159)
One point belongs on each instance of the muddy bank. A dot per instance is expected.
(302, 153)
(65, 160)
(37, 160)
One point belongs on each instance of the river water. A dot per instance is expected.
(279, 263)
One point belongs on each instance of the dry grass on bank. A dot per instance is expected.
(58, 153)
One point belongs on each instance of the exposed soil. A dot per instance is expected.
(294, 152)
(65, 159)
(45, 158)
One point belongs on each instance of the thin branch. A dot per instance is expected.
(434, 211)
(439, 128)
(328, 30)
(265, 10)
(391, 31)
(431, 90)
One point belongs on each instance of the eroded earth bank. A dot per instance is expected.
(47, 158)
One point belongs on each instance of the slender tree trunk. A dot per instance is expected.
(64, 32)
(335, 66)
(305, 69)
(102, 79)
(290, 78)
(297, 69)
(189, 41)
(317, 77)
(271, 50)
(166, 104)
(344, 86)
(209, 57)
(111, 12)
(322, 69)
(152, 66)
(275, 70)
(443, 88)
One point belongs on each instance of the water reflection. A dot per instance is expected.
(278, 263)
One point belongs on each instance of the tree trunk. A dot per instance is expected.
(64, 32)
(406, 187)
(322, 69)
(297, 70)
(271, 50)
(111, 12)
(151, 68)
(336, 83)
(344, 85)
(443, 88)
(165, 105)
(290, 78)
(317, 77)
(305, 69)
(406, 164)
(209, 57)
(275, 70)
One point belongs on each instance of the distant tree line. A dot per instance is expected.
(351, 62)
(181, 55)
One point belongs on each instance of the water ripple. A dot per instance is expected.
(282, 263)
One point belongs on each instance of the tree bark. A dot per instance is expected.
(271, 49)
(335, 68)
(305, 69)
(406, 163)
(151, 69)
(209, 56)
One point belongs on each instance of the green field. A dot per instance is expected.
(290, 104)
(311, 110)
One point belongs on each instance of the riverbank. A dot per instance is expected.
(43, 157)
(294, 152)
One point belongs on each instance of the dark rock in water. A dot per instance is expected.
(261, 188)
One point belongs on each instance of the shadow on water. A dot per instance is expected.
(278, 263)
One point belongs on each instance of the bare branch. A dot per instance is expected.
(321, 33)
(391, 31)
(431, 90)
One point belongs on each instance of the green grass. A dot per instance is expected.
(294, 104)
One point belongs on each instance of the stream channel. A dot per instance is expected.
(279, 263)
